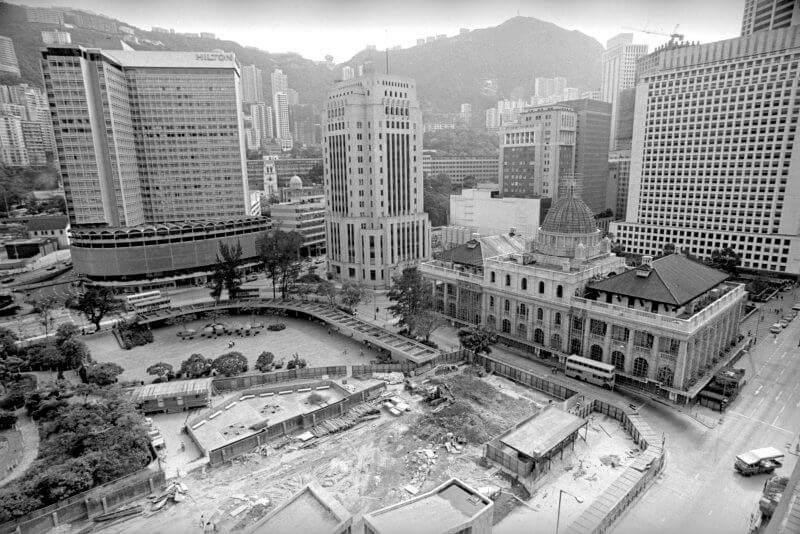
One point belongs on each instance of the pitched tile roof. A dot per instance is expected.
(475, 251)
(674, 279)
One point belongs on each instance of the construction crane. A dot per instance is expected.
(674, 37)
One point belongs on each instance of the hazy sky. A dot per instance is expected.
(341, 28)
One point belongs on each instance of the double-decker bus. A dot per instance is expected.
(594, 372)
(147, 301)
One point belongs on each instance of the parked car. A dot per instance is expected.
(776, 328)
(783, 324)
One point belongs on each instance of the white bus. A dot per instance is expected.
(594, 372)
(146, 301)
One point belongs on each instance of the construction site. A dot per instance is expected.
(414, 434)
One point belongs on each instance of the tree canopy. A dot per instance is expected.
(94, 303)
(196, 366)
(477, 339)
(230, 364)
(725, 259)
(280, 255)
(226, 271)
(413, 303)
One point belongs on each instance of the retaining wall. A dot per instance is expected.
(223, 384)
(88, 504)
(300, 422)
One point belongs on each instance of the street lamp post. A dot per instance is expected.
(560, 494)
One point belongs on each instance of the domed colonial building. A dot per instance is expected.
(564, 293)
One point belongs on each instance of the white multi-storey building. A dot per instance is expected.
(8, 58)
(56, 37)
(147, 137)
(619, 72)
(252, 84)
(372, 143)
(348, 73)
(280, 108)
(538, 152)
(12, 142)
(714, 159)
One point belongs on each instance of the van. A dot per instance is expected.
(796, 307)
(776, 328)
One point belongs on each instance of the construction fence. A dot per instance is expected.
(410, 368)
(223, 384)
(522, 377)
(96, 501)
(299, 422)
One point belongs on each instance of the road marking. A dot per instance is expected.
(778, 396)
(783, 355)
(759, 389)
(782, 371)
(782, 408)
(759, 421)
(775, 421)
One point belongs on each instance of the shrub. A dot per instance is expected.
(12, 401)
(102, 374)
(196, 366)
(265, 362)
(230, 364)
(133, 334)
(276, 327)
(7, 419)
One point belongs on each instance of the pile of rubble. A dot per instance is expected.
(390, 378)
(175, 492)
(419, 463)
(362, 412)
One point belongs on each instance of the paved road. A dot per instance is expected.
(699, 490)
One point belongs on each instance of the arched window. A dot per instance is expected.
(618, 360)
(538, 336)
(575, 346)
(665, 376)
(522, 330)
(507, 306)
(555, 342)
(491, 301)
(508, 279)
(492, 277)
(524, 284)
(640, 367)
(523, 310)
(541, 287)
(558, 318)
(596, 353)
(560, 291)
(506, 326)
(490, 322)
(539, 314)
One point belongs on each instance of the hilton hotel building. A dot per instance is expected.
(715, 158)
(147, 137)
(372, 129)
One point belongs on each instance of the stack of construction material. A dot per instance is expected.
(175, 492)
(362, 412)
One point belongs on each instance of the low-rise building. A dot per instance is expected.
(664, 326)
(19, 249)
(286, 168)
(175, 396)
(55, 226)
(485, 169)
(310, 510)
(484, 210)
(161, 255)
(451, 508)
(307, 217)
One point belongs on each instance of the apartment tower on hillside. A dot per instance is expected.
(372, 149)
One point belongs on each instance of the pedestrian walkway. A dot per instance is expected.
(30, 446)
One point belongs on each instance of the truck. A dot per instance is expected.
(764, 460)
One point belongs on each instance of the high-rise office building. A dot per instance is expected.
(492, 120)
(8, 58)
(537, 153)
(619, 71)
(769, 15)
(372, 148)
(348, 73)
(252, 84)
(261, 116)
(147, 137)
(591, 151)
(714, 158)
(280, 108)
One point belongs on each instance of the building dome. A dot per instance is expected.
(569, 215)
(295, 182)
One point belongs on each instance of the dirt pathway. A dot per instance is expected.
(30, 444)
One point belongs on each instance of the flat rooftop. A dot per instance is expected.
(234, 423)
(176, 388)
(447, 507)
(309, 511)
(539, 434)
